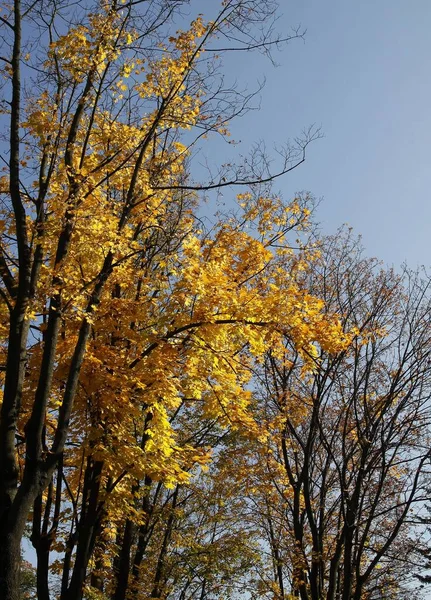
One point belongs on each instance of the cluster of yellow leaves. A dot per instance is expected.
(89, 47)
(166, 77)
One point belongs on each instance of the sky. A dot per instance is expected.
(363, 74)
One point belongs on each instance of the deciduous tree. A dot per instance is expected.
(119, 310)
(349, 450)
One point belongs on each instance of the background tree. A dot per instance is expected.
(349, 449)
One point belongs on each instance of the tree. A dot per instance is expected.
(119, 311)
(349, 450)
(211, 550)
(28, 581)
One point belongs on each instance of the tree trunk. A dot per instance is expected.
(10, 560)
(88, 528)
(10, 547)
(122, 575)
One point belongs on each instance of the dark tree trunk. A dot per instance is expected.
(10, 560)
(123, 572)
(87, 531)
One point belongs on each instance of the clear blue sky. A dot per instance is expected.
(364, 75)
